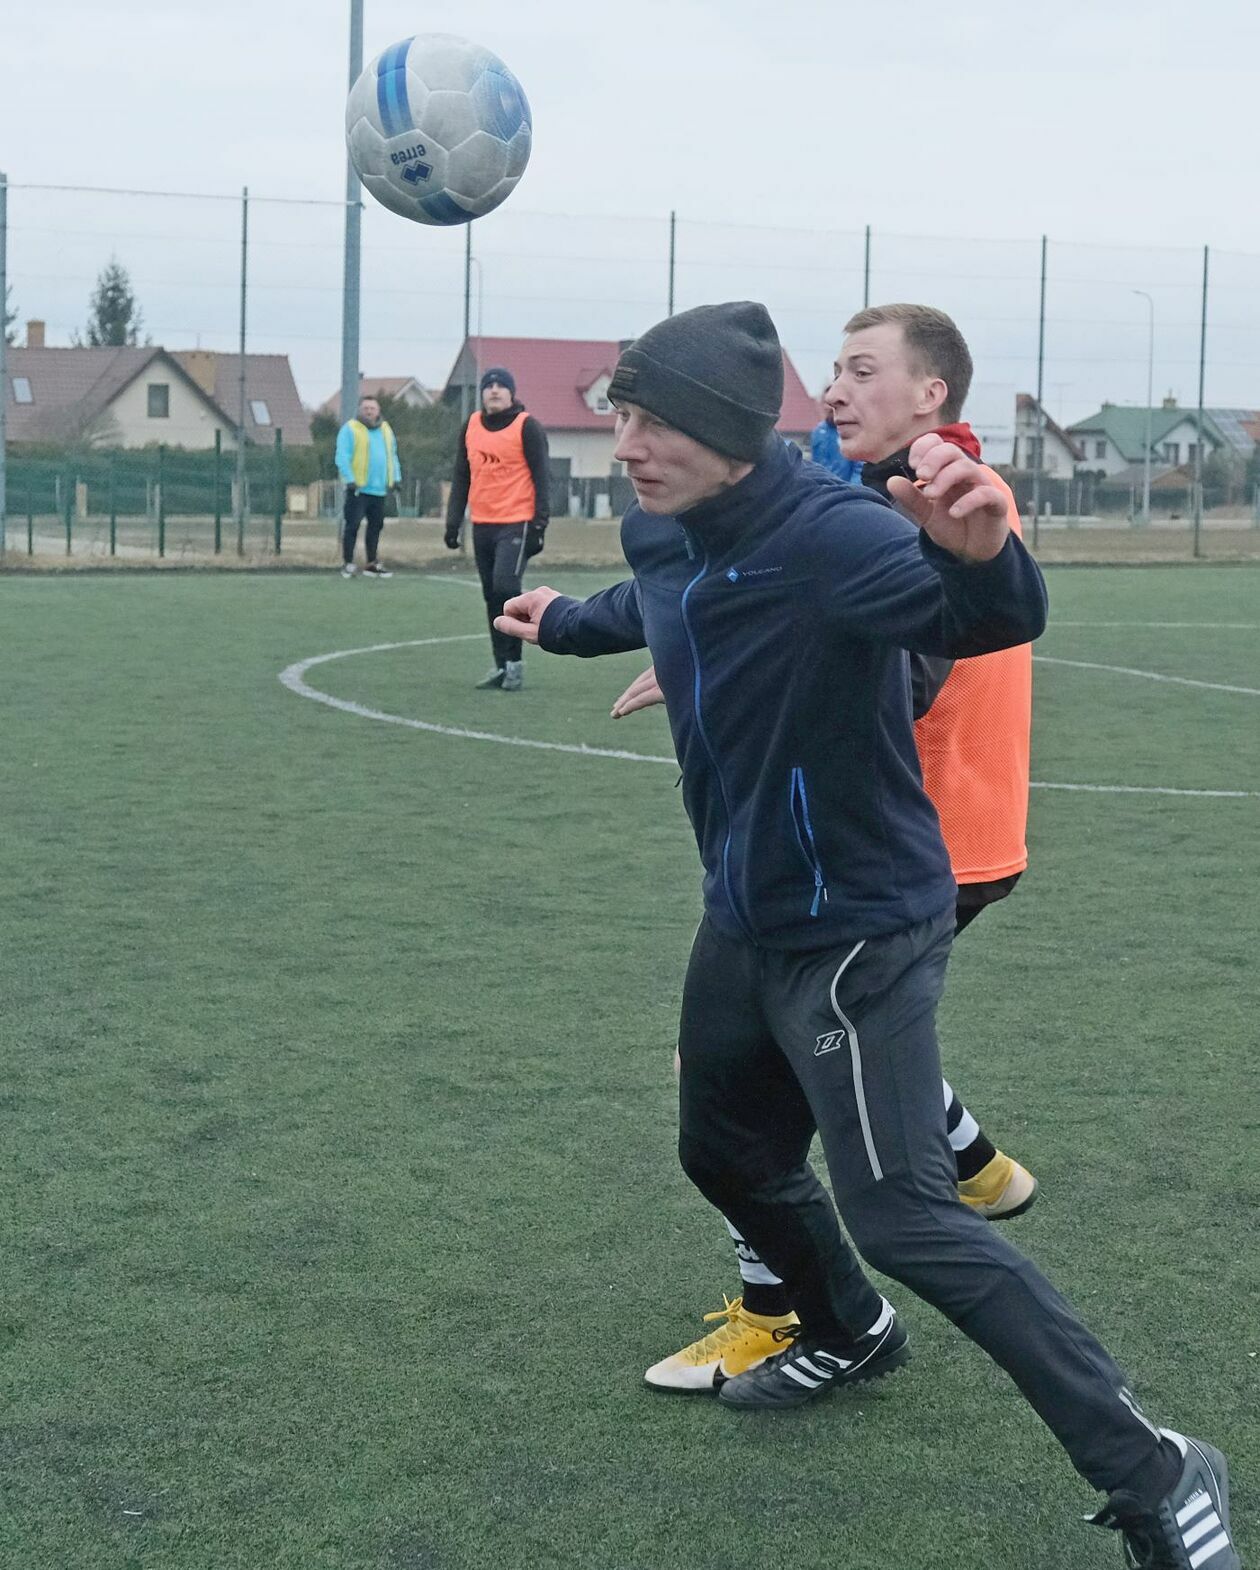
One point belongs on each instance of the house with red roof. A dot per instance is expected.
(563, 382)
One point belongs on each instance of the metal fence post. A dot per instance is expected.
(1039, 426)
(673, 231)
(113, 507)
(30, 518)
(866, 270)
(161, 499)
(4, 385)
(240, 394)
(279, 483)
(218, 494)
(67, 508)
(1198, 445)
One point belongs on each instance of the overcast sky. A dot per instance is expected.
(1124, 132)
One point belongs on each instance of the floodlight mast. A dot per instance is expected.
(353, 245)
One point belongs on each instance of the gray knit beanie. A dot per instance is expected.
(715, 373)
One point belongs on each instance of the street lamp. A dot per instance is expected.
(1150, 396)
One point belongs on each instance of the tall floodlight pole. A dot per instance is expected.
(466, 390)
(240, 380)
(353, 246)
(4, 308)
(1150, 400)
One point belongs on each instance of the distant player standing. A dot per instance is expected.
(367, 461)
(501, 476)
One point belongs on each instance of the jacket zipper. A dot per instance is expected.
(810, 850)
(695, 699)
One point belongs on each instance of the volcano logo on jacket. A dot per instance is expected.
(831, 1042)
(734, 575)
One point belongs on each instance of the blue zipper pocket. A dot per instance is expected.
(799, 807)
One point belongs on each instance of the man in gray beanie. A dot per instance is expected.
(715, 373)
(778, 606)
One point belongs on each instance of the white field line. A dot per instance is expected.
(294, 678)
(1204, 626)
(1127, 670)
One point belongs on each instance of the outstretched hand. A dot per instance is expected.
(952, 500)
(642, 693)
(524, 612)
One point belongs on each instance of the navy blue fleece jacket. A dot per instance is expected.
(779, 616)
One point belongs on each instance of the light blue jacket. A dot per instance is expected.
(824, 450)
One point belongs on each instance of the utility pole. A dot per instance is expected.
(1150, 402)
(353, 246)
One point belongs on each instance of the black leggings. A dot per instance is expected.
(358, 507)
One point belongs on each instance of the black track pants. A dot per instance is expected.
(775, 1043)
(500, 552)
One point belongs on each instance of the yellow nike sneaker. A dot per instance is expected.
(742, 1342)
(1000, 1190)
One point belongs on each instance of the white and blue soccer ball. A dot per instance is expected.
(439, 129)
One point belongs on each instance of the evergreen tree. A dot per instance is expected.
(9, 317)
(115, 318)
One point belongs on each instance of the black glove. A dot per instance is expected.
(534, 539)
(350, 489)
(451, 538)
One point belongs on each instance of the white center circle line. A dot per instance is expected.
(294, 678)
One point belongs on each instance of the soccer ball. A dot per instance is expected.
(438, 129)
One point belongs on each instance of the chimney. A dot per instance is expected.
(200, 365)
(1170, 402)
(35, 335)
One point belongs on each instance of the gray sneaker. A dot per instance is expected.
(1190, 1529)
(348, 570)
(494, 679)
(513, 676)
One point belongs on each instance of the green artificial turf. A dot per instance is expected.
(341, 1213)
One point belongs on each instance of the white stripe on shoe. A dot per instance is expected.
(1209, 1551)
(804, 1379)
(1210, 1523)
(822, 1373)
(1195, 1505)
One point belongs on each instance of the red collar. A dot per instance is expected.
(960, 435)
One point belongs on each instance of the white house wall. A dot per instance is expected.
(1111, 463)
(589, 452)
(189, 424)
(1185, 433)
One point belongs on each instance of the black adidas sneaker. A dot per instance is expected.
(1190, 1530)
(810, 1368)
